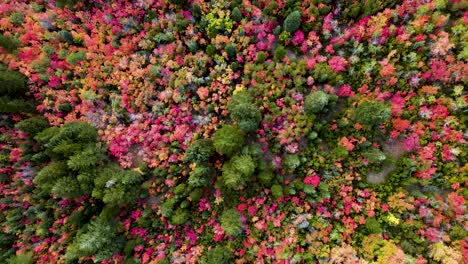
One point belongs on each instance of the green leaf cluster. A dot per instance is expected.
(315, 102)
(372, 113)
(244, 112)
(228, 140)
(231, 222)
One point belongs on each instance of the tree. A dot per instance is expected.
(219, 255)
(12, 83)
(200, 151)
(280, 53)
(180, 216)
(8, 44)
(236, 14)
(231, 222)
(117, 187)
(315, 102)
(200, 175)
(372, 113)
(244, 112)
(228, 140)
(238, 171)
(12, 105)
(98, 238)
(231, 50)
(33, 125)
(292, 21)
(247, 117)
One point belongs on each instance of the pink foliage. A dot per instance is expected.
(345, 91)
(298, 38)
(338, 64)
(313, 180)
(457, 203)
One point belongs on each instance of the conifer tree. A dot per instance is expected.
(99, 239)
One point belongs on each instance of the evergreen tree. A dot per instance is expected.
(236, 14)
(8, 44)
(293, 21)
(10, 105)
(99, 238)
(12, 83)
(33, 125)
(117, 187)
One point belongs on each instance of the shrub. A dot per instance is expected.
(48, 176)
(67, 187)
(65, 108)
(167, 207)
(280, 53)
(200, 151)
(75, 57)
(374, 155)
(243, 164)
(17, 18)
(196, 11)
(372, 113)
(254, 150)
(228, 140)
(315, 102)
(24, 258)
(373, 226)
(32, 125)
(265, 177)
(291, 161)
(277, 191)
(261, 56)
(230, 177)
(196, 194)
(180, 189)
(231, 222)
(242, 97)
(8, 44)
(71, 138)
(180, 216)
(210, 50)
(292, 21)
(66, 3)
(66, 36)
